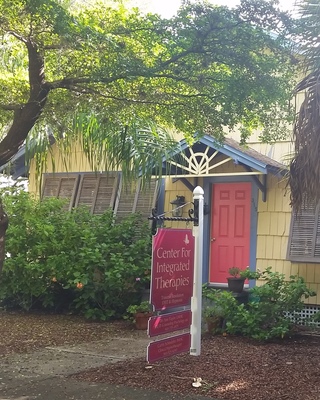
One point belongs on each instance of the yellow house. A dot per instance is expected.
(248, 219)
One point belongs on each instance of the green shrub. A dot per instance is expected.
(218, 305)
(72, 261)
(265, 316)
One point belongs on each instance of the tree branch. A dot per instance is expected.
(11, 107)
(17, 36)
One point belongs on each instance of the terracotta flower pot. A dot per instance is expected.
(141, 320)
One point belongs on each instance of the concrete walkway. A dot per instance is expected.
(43, 374)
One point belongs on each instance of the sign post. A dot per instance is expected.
(171, 289)
(196, 301)
(176, 281)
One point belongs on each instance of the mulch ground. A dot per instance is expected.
(25, 332)
(231, 368)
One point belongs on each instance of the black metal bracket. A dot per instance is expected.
(185, 182)
(193, 215)
(261, 185)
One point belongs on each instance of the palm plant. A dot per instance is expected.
(137, 149)
(304, 175)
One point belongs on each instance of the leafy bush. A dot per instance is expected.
(218, 306)
(219, 302)
(72, 260)
(266, 315)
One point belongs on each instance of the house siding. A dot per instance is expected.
(172, 189)
(76, 162)
(274, 218)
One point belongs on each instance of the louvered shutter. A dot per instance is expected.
(87, 190)
(62, 187)
(97, 191)
(147, 198)
(126, 198)
(134, 198)
(106, 193)
(304, 239)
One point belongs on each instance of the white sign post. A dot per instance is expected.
(196, 301)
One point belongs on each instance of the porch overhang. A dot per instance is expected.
(206, 157)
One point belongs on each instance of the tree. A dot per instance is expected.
(305, 166)
(205, 69)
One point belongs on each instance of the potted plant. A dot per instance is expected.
(238, 276)
(140, 314)
(214, 318)
(219, 305)
(235, 280)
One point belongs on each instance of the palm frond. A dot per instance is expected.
(304, 177)
(138, 149)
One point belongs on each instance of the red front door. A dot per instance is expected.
(230, 229)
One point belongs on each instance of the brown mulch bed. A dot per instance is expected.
(231, 368)
(22, 332)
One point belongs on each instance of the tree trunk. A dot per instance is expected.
(4, 222)
(27, 115)
(23, 121)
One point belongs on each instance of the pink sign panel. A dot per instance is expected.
(169, 323)
(172, 268)
(168, 347)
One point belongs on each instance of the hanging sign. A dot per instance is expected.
(172, 268)
(168, 347)
(166, 323)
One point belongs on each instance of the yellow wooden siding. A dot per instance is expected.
(273, 231)
(172, 189)
(274, 216)
(56, 163)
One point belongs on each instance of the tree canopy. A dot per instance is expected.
(106, 72)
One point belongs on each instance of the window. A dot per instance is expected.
(304, 239)
(100, 192)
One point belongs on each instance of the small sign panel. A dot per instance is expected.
(166, 323)
(168, 347)
(172, 268)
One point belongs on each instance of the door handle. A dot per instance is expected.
(213, 239)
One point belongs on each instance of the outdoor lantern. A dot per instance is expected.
(177, 204)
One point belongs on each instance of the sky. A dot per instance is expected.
(168, 7)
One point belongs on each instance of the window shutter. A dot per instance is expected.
(317, 238)
(87, 190)
(62, 187)
(147, 198)
(97, 191)
(126, 198)
(304, 239)
(106, 193)
(134, 198)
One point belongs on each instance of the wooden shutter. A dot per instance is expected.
(304, 239)
(62, 187)
(97, 191)
(134, 198)
(106, 193)
(146, 200)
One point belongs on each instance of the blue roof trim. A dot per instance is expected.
(237, 155)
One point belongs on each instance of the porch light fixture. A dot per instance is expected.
(177, 204)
